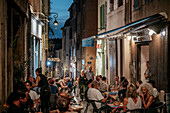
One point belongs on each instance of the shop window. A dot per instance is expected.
(136, 4)
(120, 3)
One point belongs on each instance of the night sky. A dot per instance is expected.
(60, 7)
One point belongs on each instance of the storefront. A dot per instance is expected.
(100, 60)
(36, 44)
(89, 53)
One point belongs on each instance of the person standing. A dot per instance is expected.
(147, 73)
(82, 80)
(41, 81)
(89, 74)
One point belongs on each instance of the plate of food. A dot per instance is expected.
(116, 103)
(121, 104)
(77, 107)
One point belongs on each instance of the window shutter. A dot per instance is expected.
(100, 17)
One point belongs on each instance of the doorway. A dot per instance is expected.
(143, 57)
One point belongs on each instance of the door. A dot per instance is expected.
(112, 60)
(142, 58)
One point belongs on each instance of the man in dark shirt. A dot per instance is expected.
(122, 93)
(53, 97)
(17, 101)
(68, 83)
(54, 89)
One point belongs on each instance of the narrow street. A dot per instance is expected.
(68, 55)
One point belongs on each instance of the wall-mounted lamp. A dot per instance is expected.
(151, 32)
(55, 16)
(129, 37)
(163, 32)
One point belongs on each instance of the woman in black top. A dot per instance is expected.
(41, 81)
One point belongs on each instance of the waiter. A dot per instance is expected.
(41, 81)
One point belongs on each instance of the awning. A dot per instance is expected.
(134, 25)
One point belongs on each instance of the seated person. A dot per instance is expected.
(94, 94)
(132, 100)
(122, 93)
(155, 91)
(116, 82)
(58, 84)
(33, 95)
(88, 84)
(146, 92)
(138, 83)
(68, 83)
(63, 103)
(103, 85)
(54, 89)
(17, 100)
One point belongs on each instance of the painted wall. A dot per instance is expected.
(115, 19)
(158, 48)
(151, 8)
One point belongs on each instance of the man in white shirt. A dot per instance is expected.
(103, 85)
(89, 74)
(94, 94)
(33, 95)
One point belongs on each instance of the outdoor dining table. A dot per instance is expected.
(112, 94)
(77, 108)
(114, 106)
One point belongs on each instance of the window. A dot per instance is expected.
(136, 4)
(111, 5)
(146, 1)
(120, 3)
(103, 12)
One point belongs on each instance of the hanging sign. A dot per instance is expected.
(88, 42)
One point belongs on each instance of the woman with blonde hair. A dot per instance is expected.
(132, 100)
(146, 92)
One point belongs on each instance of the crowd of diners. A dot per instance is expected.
(58, 94)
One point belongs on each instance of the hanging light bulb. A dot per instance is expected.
(55, 22)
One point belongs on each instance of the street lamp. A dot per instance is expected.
(55, 22)
(55, 16)
(48, 63)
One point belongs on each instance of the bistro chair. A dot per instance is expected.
(139, 110)
(158, 108)
(95, 109)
